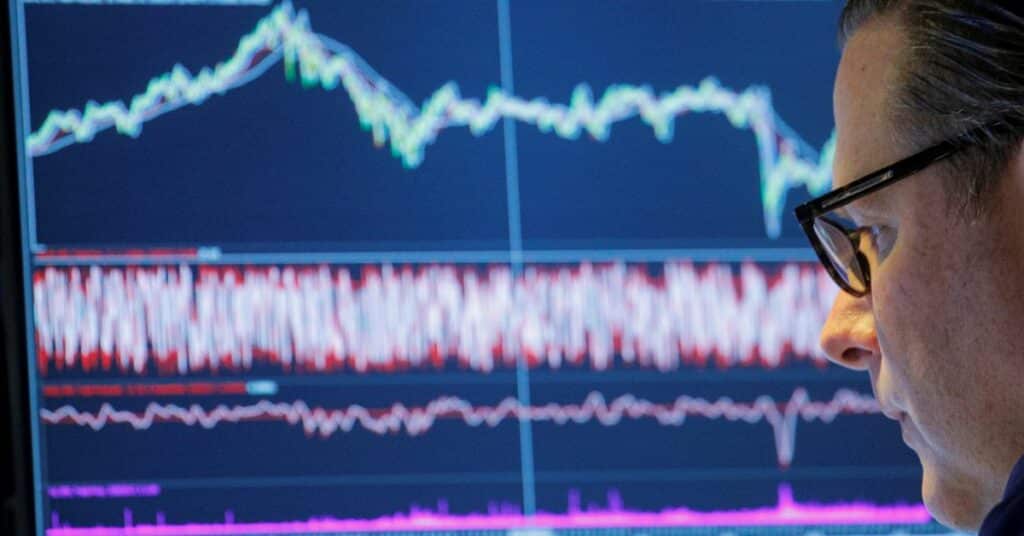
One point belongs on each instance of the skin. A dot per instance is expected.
(941, 332)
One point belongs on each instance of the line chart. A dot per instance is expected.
(415, 421)
(301, 266)
(786, 161)
(387, 319)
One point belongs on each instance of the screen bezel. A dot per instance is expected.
(13, 300)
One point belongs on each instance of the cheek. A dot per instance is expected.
(921, 307)
(903, 300)
(947, 304)
(911, 301)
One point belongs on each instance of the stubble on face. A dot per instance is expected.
(947, 302)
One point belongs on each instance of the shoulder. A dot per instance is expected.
(1008, 516)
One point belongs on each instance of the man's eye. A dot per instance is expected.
(881, 238)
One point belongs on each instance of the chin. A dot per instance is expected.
(952, 501)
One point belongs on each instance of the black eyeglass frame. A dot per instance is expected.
(818, 207)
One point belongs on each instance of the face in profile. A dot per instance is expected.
(941, 331)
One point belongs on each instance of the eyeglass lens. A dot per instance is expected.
(841, 252)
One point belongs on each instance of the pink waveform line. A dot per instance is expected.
(416, 421)
(177, 320)
(787, 512)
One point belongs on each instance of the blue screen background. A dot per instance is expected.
(272, 175)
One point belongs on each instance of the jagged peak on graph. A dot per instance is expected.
(418, 420)
(285, 35)
(143, 320)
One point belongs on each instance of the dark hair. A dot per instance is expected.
(963, 68)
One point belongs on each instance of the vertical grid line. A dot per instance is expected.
(515, 232)
(515, 238)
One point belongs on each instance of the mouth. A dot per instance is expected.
(894, 414)
(907, 427)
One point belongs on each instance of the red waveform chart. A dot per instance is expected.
(418, 420)
(181, 320)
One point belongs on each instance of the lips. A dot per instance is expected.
(893, 413)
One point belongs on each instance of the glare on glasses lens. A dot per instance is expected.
(842, 254)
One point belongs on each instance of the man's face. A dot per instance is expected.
(941, 332)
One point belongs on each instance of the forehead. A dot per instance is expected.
(862, 100)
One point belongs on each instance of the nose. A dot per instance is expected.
(849, 337)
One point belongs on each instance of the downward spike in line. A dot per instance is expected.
(416, 421)
(786, 161)
(319, 319)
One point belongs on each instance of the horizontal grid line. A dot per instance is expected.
(829, 374)
(730, 255)
(543, 476)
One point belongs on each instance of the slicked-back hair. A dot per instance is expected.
(963, 68)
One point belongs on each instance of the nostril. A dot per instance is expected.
(851, 356)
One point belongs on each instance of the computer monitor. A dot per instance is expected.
(324, 267)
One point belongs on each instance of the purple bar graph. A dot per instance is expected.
(787, 512)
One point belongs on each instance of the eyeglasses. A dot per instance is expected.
(838, 244)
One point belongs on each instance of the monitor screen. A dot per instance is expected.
(332, 267)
